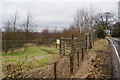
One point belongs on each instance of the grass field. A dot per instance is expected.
(32, 57)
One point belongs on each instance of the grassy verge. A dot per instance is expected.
(101, 63)
(101, 44)
(32, 57)
(96, 63)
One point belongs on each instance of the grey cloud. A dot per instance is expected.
(51, 14)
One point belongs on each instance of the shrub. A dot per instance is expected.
(100, 32)
(116, 32)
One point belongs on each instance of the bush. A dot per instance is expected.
(116, 32)
(100, 32)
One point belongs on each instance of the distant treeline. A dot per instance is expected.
(85, 21)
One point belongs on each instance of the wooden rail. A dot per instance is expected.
(76, 46)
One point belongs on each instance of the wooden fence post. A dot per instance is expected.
(90, 40)
(82, 54)
(60, 48)
(71, 55)
(93, 38)
(55, 70)
(64, 46)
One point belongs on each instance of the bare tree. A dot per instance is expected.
(84, 19)
(10, 24)
(14, 21)
(105, 19)
(27, 26)
(80, 19)
(92, 17)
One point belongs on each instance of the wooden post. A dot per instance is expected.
(71, 55)
(82, 54)
(60, 48)
(55, 70)
(64, 46)
(90, 40)
(93, 38)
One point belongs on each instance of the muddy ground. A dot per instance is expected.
(96, 64)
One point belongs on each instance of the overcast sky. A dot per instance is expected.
(51, 13)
